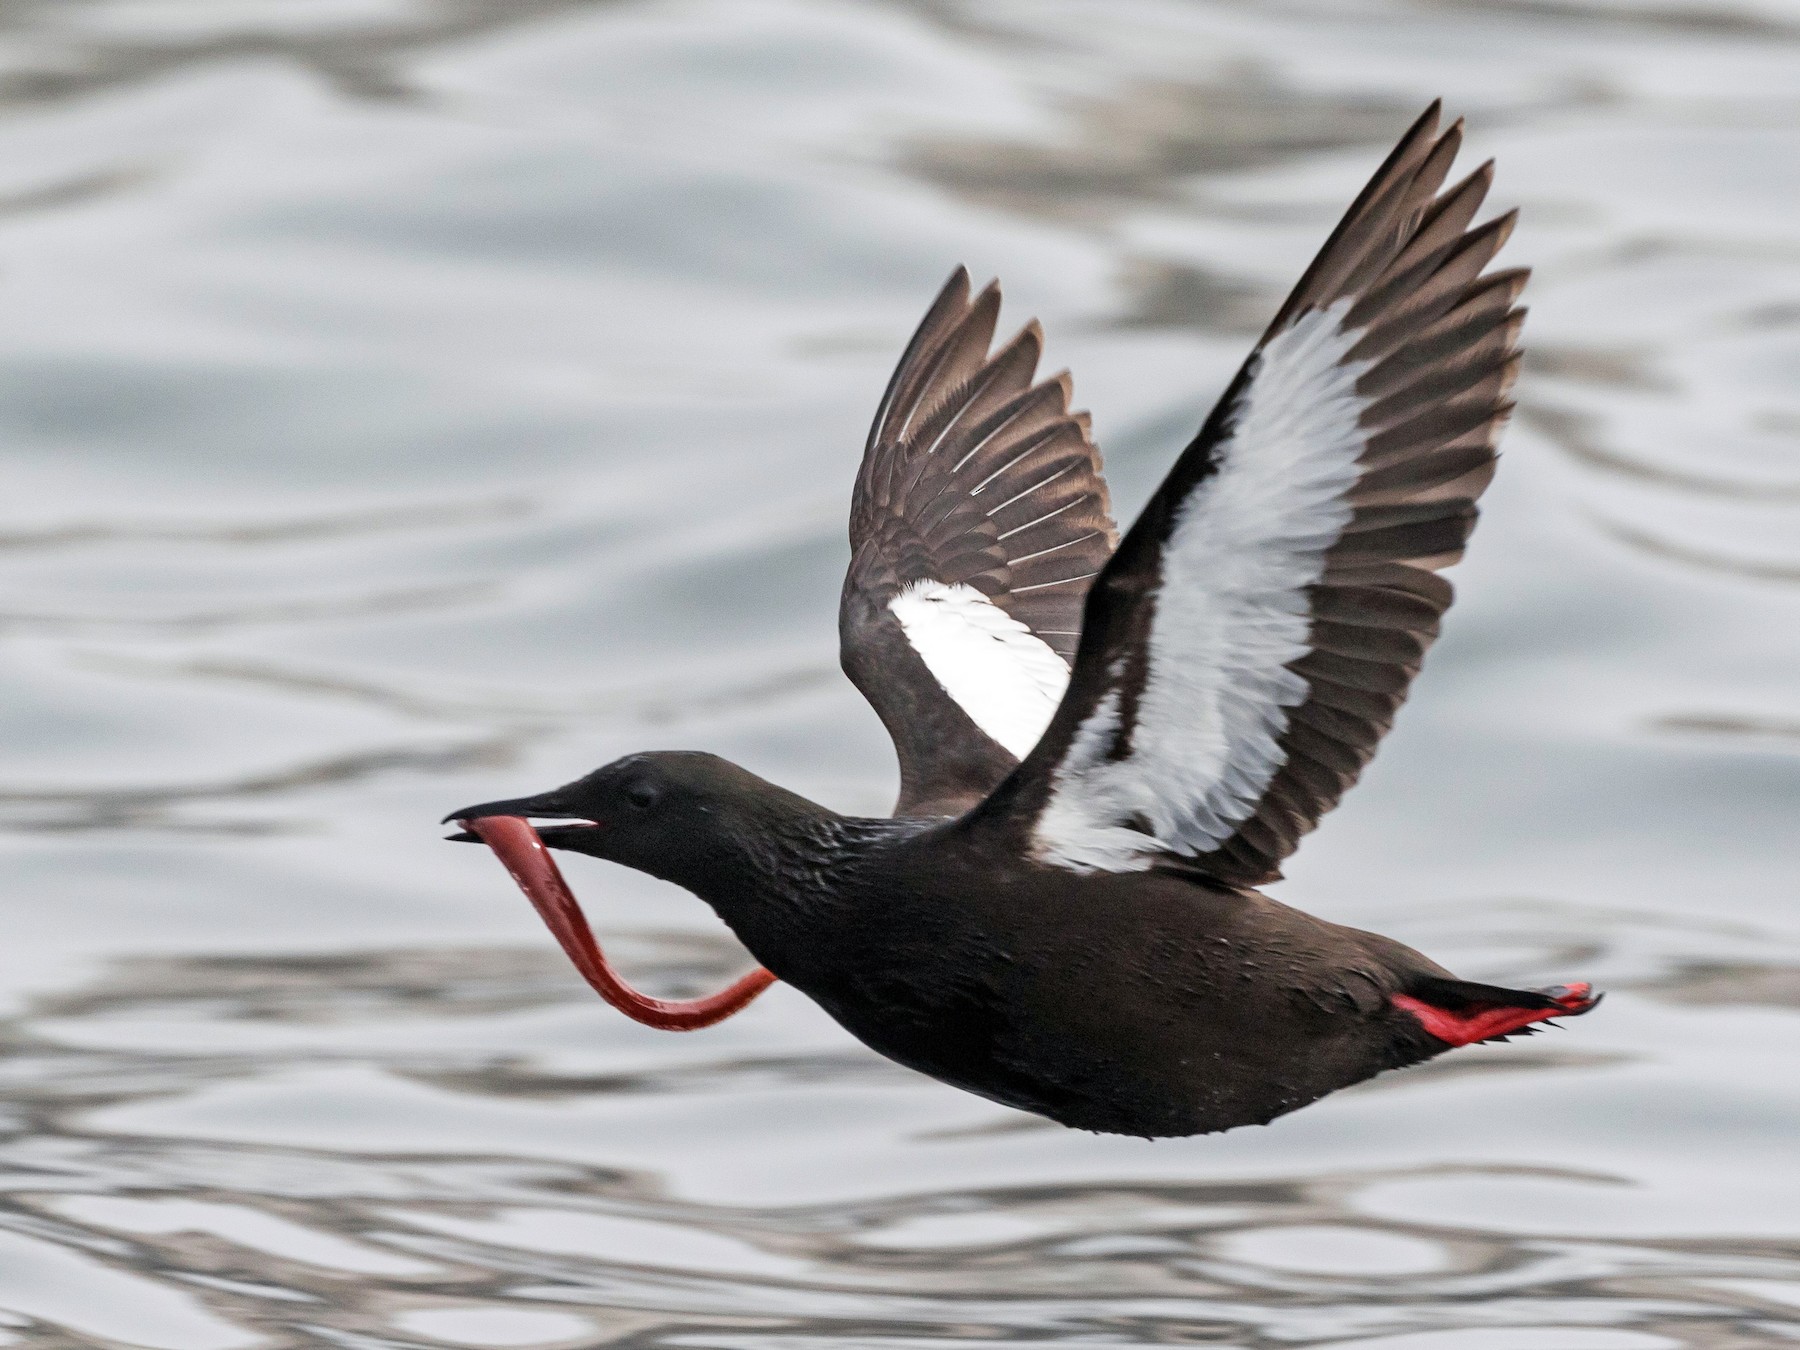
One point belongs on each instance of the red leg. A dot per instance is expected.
(1482, 1023)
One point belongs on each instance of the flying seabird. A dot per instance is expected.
(1106, 745)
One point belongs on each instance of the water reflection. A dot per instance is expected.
(300, 1243)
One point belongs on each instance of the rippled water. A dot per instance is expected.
(408, 402)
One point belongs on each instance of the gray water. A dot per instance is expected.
(411, 402)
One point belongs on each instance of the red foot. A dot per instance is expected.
(1483, 1023)
(517, 845)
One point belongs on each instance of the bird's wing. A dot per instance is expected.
(978, 521)
(1246, 647)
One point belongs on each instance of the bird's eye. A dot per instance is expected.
(641, 796)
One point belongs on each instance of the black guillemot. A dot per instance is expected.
(1107, 744)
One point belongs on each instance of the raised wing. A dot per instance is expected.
(979, 520)
(1246, 647)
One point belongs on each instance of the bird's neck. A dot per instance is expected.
(790, 878)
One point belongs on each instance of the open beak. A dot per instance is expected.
(545, 806)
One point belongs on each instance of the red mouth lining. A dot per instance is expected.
(519, 848)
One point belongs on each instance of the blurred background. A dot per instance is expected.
(412, 402)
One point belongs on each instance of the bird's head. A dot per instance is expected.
(688, 818)
(668, 813)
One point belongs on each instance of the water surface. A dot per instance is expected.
(411, 402)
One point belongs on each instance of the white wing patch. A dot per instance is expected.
(1231, 613)
(1000, 673)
